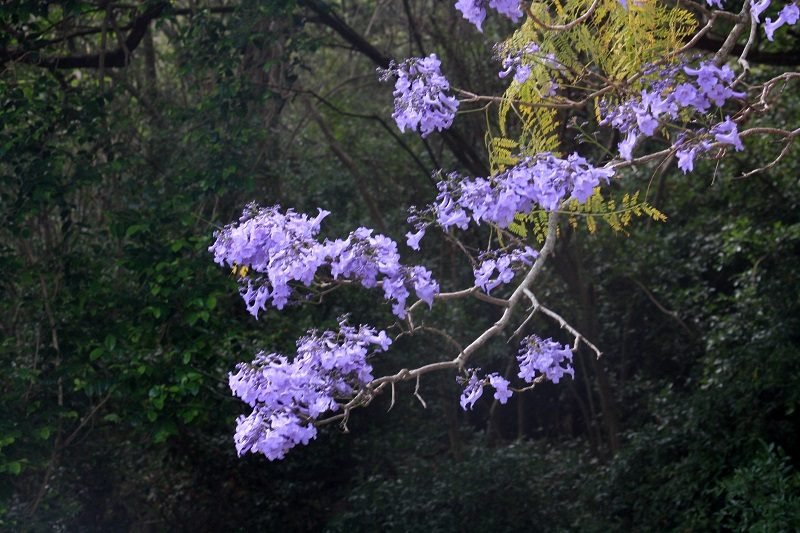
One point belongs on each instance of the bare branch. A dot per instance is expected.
(563, 323)
(416, 393)
(117, 58)
(563, 27)
(668, 312)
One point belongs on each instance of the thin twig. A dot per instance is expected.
(562, 27)
(416, 393)
(668, 312)
(393, 396)
(563, 323)
(86, 419)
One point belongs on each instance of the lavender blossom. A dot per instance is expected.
(414, 238)
(727, 133)
(472, 391)
(520, 62)
(370, 259)
(421, 101)
(665, 97)
(280, 247)
(626, 146)
(788, 15)
(544, 181)
(500, 384)
(288, 395)
(475, 10)
(546, 357)
(282, 253)
(507, 8)
(515, 62)
(505, 264)
(756, 8)
(686, 159)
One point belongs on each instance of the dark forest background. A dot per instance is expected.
(130, 131)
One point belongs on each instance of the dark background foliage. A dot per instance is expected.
(130, 132)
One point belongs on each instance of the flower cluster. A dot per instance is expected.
(519, 62)
(726, 132)
(280, 247)
(475, 10)
(370, 259)
(544, 180)
(788, 15)
(473, 388)
(513, 63)
(288, 395)
(280, 250)
(688, 152)
(504, 264)
(544, 356)
(421, 101)
(639, 116)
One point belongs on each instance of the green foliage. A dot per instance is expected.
(120, 330)
(761, 496)
(617, 216)
(521, 486)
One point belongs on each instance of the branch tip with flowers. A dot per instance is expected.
(666, 94)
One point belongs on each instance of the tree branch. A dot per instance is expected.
(117, 58)
(454, 141)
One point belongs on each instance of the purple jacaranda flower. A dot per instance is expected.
(647, 124)
(425, 287)
(544, 356)
(544, 180)
(282, 253)
(757, 8)
(522, 74)
(472, 391)
(500, 384)
(483, 276)
(788, 15)
(685, 94)
(687, 155)
(519, 62)
(657, 105)
(686, 159)
(707, 84)
(706, 75)
(282, 248)
(421, 95)
(452, 215)
(770, 27)
(499, 268)
(507, 8)
(475, 10)
(727, 133)
(626, 146)
(414, 238)
(287, 395)
(717, 94)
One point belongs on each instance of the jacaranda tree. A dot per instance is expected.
(595, 90)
